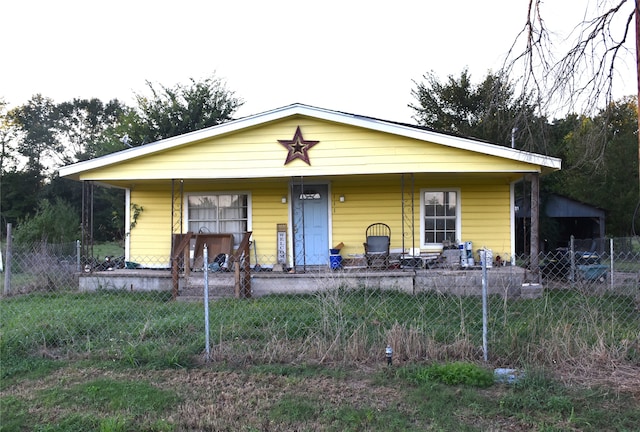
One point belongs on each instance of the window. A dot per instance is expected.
(219, 213)
(440, 216)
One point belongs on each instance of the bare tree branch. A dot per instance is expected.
(582, 78)
(586, 73)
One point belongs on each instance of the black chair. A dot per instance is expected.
(376, 246)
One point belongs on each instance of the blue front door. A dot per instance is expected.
(310, 224)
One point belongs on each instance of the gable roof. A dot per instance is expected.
(390, 127)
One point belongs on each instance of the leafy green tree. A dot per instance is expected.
(37, 141)
(19, 198)
(55, 222)
(7, 133)
(33, 130)
(41, 135)
(172, 111)
(83, 125)
(605, 176)
(8, 162)
(487, 111)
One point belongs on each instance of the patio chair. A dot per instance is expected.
(376, 247)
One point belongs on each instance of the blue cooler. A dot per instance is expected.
(335, 259)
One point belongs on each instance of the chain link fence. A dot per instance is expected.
(585, 307)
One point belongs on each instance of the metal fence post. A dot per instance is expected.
(206, 303)
(572, 260)
(78, 253)
(484, 307)
(612, 259)
(7, 267)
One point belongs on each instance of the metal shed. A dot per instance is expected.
(573, 218)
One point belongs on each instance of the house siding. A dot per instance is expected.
(256, 153)
(150, 239)
(485, 211)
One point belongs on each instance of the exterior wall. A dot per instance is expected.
(150, 240)
(256, 153)
(485, 211)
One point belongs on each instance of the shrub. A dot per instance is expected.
(57, 222)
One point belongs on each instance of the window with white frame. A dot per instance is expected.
(440, 211)
(218, 213)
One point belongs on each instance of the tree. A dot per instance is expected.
(82, 126)
(19, 198)
(609, 182)
(7, 132)
(582, 79)
(7, 158)
(55, 222)
(30, 138)
(172, 111)
(487, 111)
(37, 141)
(44, 135)
(41, 135)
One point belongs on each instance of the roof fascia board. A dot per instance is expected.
(173, 142)
(443, 139)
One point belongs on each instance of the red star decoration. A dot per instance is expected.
(298, 147)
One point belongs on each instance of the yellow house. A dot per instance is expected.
(304, 179)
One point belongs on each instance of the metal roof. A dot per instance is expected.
(559, 206)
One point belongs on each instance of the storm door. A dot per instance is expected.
(310, 213)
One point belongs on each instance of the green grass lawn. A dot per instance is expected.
(119, 361)
(102, 250)
(82, 395)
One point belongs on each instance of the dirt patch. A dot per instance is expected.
(221, 400)
(619, 378)
(227, 400)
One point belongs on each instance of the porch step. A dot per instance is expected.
(221, 285)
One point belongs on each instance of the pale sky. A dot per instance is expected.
(355, 56)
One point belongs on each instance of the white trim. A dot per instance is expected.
(512, 201)
(127, 224)
(322, 114)
(290, 258)
(438, 246)
(185, 206)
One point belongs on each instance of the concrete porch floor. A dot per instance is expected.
(504, 281)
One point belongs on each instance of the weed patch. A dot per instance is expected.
(109, 395)
(457, 373)
(292, 409)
